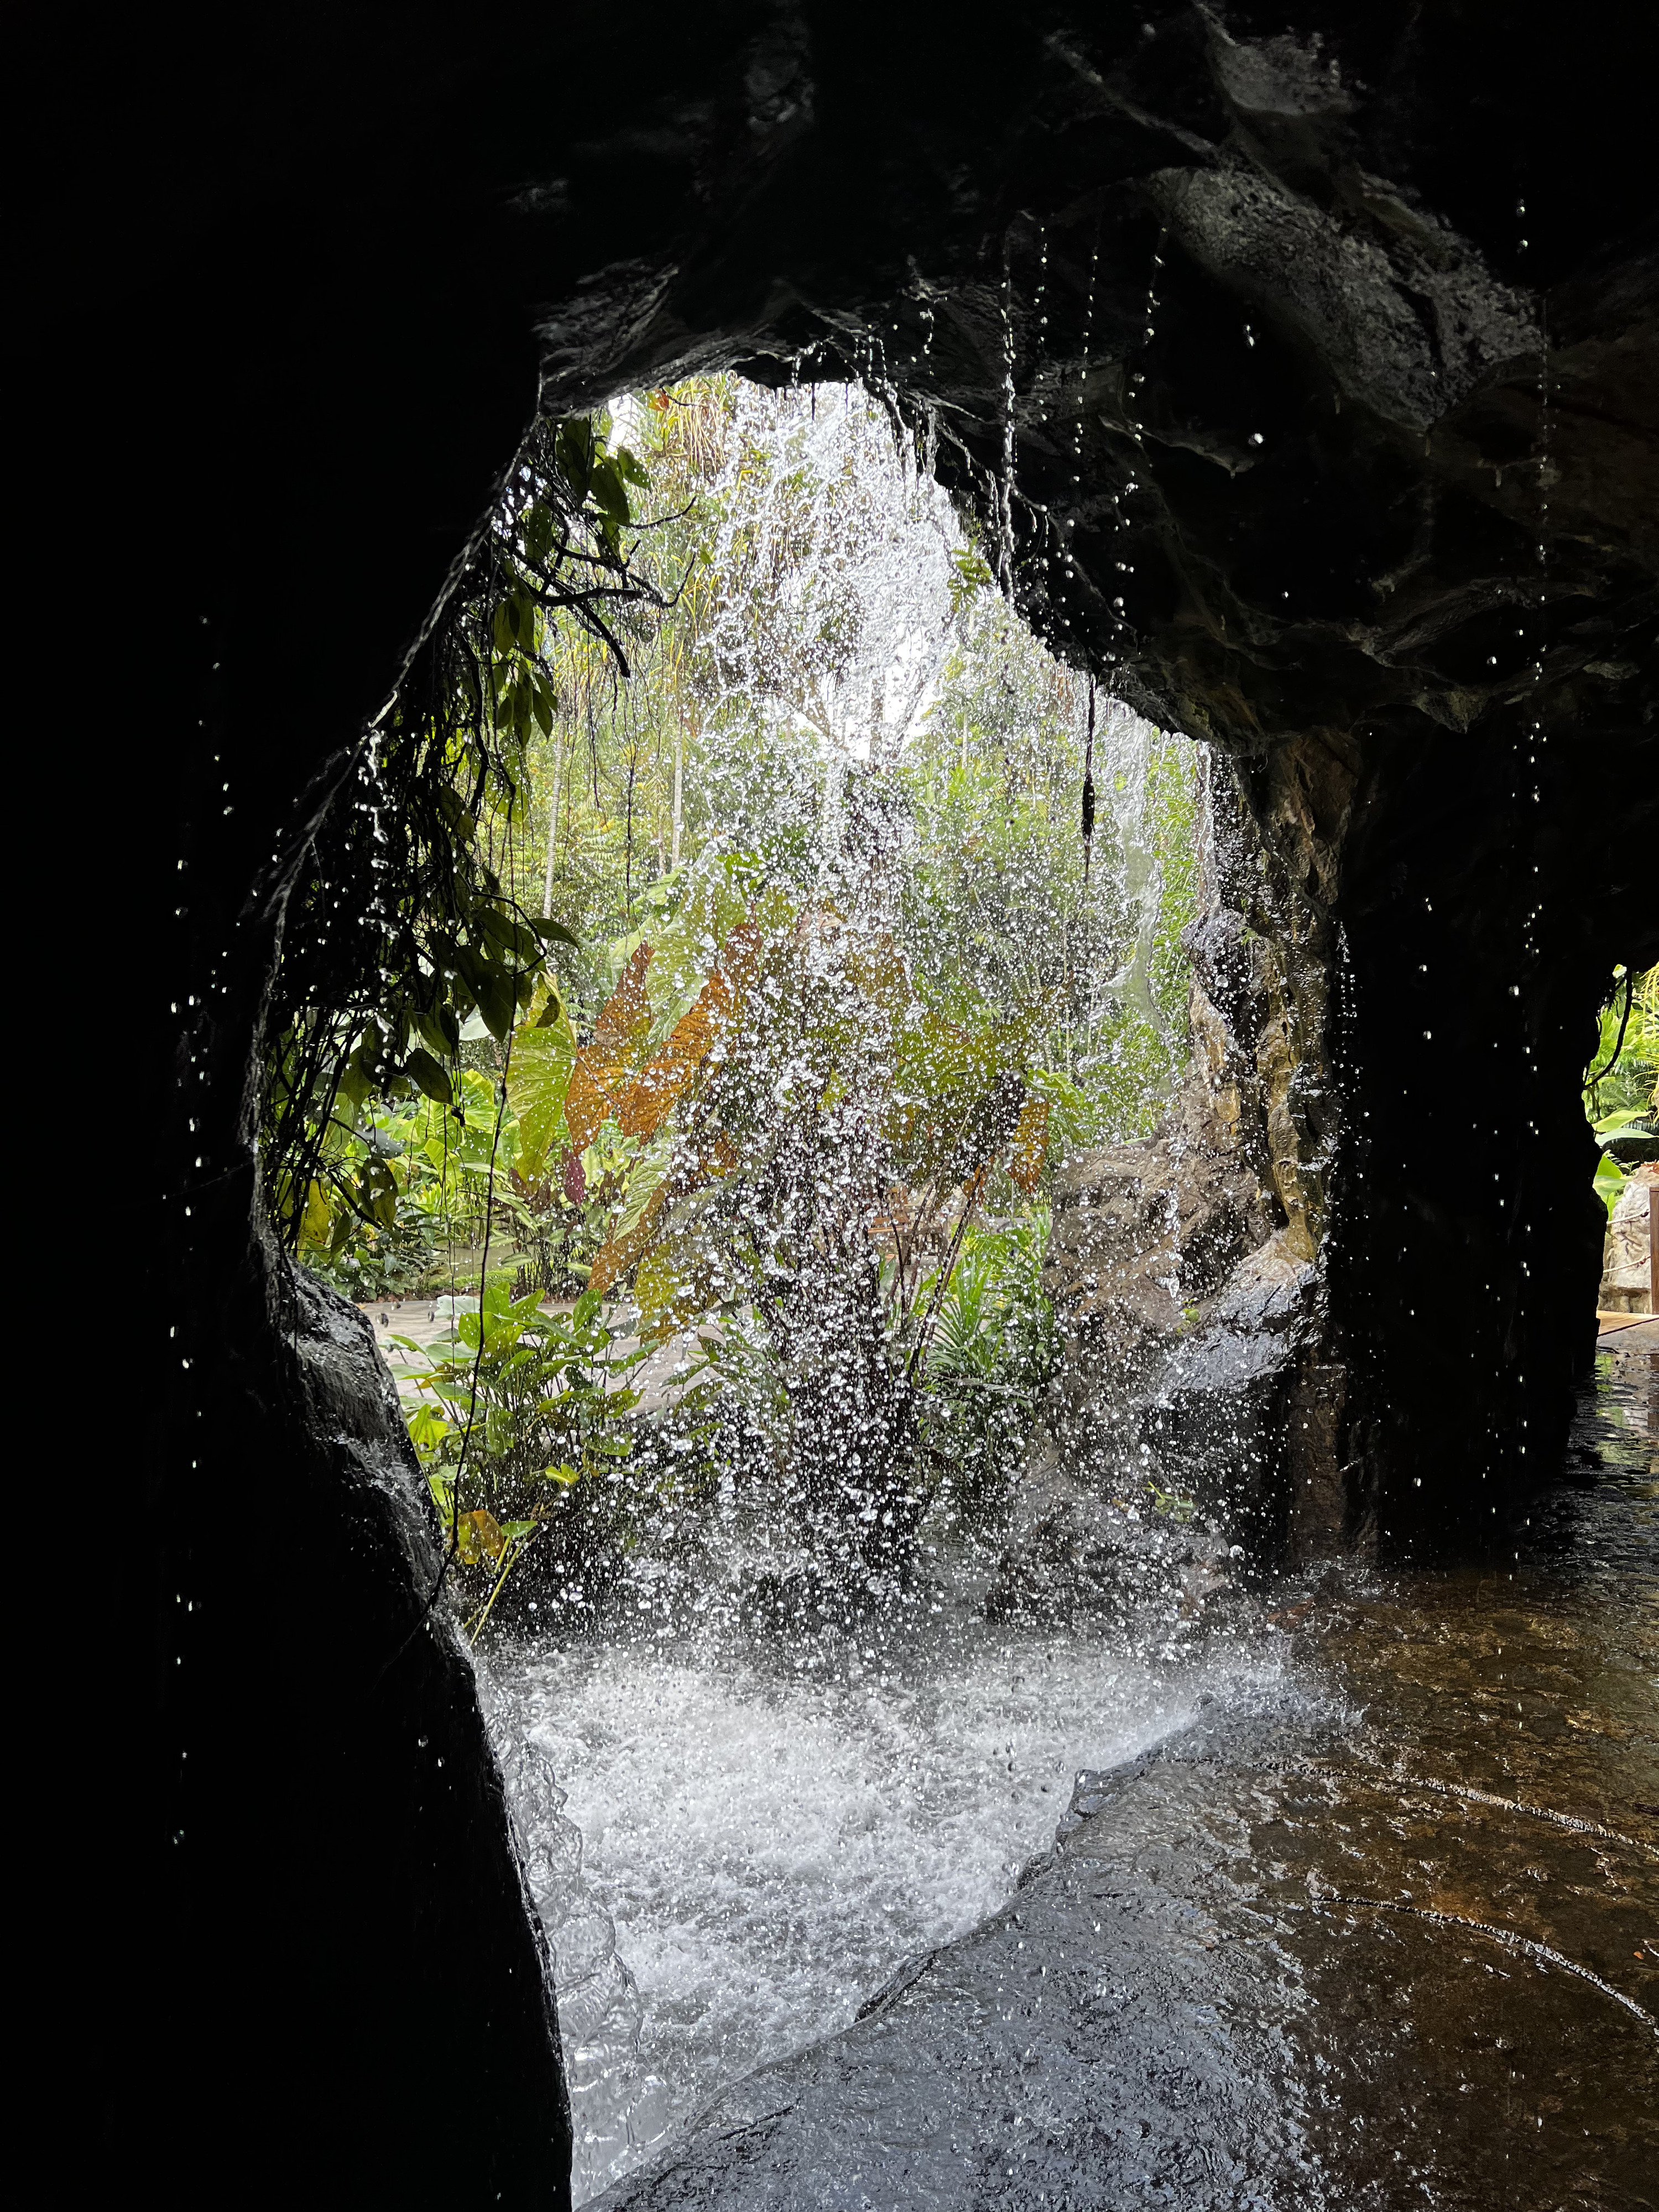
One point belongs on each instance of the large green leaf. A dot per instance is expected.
(1609, 1184)
(498, 1001)
(545, 928)
(538, 1080)
(440, 1029)
(430, 1075)
(1610, 1124)
(646, 1179)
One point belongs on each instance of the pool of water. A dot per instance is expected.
(765, 1836)
(736, 1841)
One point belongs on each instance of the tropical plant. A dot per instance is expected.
(818, 607)
(405, 928)
(1621, 1085)
(522, 1427)
(766, 985)
(989, 1362)
(804, 1145)
(1609, 1182)
(1007, 902)
(1622, 1079)
(422, 1176)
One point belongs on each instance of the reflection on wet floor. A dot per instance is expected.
(1488, 1840)
(1536, 1672)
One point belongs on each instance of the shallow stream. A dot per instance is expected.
(769, 1844)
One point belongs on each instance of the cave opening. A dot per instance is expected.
(676, 1680)
(710, 1248)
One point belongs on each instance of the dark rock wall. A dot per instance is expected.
(272, 368)
(1277, 410)
(1186, 1269)
(345, 1839)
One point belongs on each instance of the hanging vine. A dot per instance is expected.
(402, 929)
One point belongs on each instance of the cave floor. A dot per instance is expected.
(1635, 1332)
(1391, 1940)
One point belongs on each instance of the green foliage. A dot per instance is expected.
(1003, 905)
(1621, 1085)
(523, 1431)
(755, 983)
(1174, 1504)
(405, 930)
(542, 1060)
(406, 1177)
(786, 1135)
(762, 666)
(1623, 1076)
(1609, 1182)
(992, 1355)
(805, 1019)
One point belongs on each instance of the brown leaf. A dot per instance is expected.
(720, 1159)
(478, 1536)
(618, 1253)
(625, 1018)
(602, 1065)
(586, 1102)
(650, 1099)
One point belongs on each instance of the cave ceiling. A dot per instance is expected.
(1297, 386)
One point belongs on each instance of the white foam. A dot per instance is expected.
(772, 1846)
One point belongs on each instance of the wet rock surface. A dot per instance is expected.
(311, 1828)
(1627, 1256)
(1388, 1941)
(1143, 1236)
(1188, 1271)
(1074, 1552)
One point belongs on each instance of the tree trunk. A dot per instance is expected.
(552, 834)
(679, 790)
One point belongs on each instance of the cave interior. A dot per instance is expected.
(1299, 364)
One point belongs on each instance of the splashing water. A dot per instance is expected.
(767, 1839)
(735, 1837)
